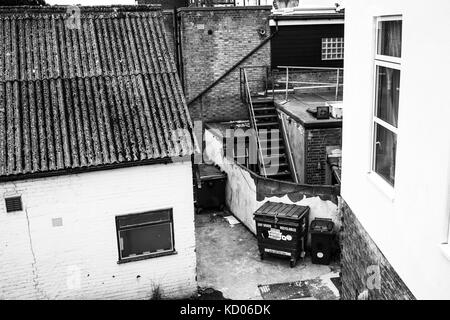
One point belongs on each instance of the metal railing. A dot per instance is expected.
(262, 82)
(234, 3)
(247, 97)
(289, 153)
(264, 85)
(300, 84)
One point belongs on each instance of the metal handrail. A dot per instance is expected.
(336, 85)
(309, 68)
(289, 152)
(258, 80)
(252, 118)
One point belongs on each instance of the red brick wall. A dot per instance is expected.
(363, 265)
(213, 40)
(316, 158)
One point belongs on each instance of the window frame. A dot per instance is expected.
(392, 63)
(395, 60)
(150, 255)
(339, 41)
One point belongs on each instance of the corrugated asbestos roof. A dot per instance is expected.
(103, 94)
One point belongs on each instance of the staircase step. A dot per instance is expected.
(267, 124)
(264, 108)
(271, 148)
(280, 165)
(277, 155)
(264, 116)
(265, 140)
(275, 152)
(259, 100)
(268, 134)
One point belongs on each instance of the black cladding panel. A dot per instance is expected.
(301, 45)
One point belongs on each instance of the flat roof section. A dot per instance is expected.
(298, 104)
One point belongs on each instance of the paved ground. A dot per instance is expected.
(228, 260)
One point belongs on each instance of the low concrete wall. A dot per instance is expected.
(240, 188)
(246, 191)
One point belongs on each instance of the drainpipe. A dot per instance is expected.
(178, 49)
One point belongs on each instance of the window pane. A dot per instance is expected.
(385, 150)
(148, 217)
(146, 240)
(388, 90)
(390, 38)
(332, 48)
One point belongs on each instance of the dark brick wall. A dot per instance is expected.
(212, 41)
(358, 253)
(316, 156)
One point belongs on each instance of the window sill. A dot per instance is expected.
(445, 249)
(382, 185)
(150, 256)
(16, 212)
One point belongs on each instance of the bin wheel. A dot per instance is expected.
(261, 255)
(293, 262)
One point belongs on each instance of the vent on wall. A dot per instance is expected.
(13, 204)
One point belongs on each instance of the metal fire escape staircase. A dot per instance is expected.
(274, 155)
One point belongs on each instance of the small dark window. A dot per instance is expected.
(145, 235)
(13, 204)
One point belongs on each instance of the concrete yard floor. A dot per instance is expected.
(228, 260)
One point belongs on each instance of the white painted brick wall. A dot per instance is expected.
(39, 261)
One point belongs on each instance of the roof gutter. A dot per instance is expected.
(308, 16)
(103, 167)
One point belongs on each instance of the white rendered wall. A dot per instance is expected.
(78, 260)
(409, 226)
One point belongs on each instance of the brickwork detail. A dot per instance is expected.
(212, 42)
(316, 158)
(363, 264)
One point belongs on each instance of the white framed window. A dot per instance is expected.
(387, 69)
(332, 48)
(145, 235)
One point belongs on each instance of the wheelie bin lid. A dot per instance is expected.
(210, 172)
(281, 211)
(321, 225)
